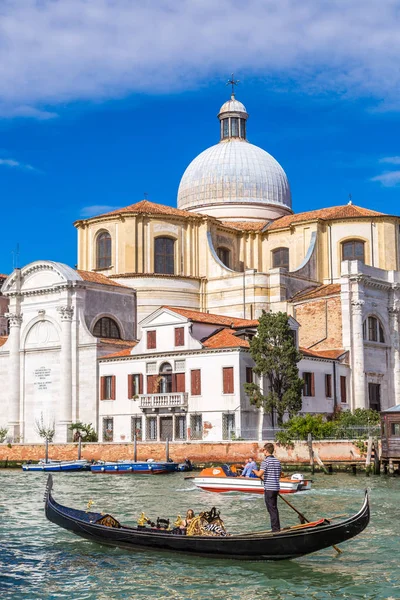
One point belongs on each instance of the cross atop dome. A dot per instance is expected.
(232, 81)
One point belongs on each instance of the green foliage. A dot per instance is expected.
(45, 431)
(3, 434)
(84, 431)
(298, 428)
(276, 356)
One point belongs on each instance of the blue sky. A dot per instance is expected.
(102, 101)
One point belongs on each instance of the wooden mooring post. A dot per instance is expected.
(391, 467)
(311, 452)
(135, 447)
(368, 459)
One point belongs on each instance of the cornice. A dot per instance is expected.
(183, 354)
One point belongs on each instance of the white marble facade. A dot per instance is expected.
(48, 364)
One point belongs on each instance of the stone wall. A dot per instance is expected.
(329, 451)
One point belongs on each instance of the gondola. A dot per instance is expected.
(288, 543)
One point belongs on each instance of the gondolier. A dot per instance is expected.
(270, 470)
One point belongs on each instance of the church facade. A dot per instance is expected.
(73, 343)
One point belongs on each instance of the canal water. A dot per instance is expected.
(38, 560)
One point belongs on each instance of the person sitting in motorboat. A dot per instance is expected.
(249, 467)
(187, 520)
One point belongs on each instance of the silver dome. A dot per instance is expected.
(234, 172)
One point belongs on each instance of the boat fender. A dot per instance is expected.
(102, 468)
(116, 468)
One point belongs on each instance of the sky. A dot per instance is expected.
(104, 102)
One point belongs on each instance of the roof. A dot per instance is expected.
(3, 276)
(201, 317)
(94, 277)
(148, 208)
(125, 352)
(392, 409)
(3, 339)
(225, 338)
(321, 291)
(330, 354)
(116, 342)
(348, 211)
(245, 225)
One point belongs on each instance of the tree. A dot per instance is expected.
(45, 431)
(276, 356)
(84, 431)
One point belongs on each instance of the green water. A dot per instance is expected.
(38, 560)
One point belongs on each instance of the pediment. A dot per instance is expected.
(162, 316)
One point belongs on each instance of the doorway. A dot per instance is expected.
(166, 428)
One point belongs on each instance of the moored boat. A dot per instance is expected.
(220, 479)
(291, 542)
(57, 465)
(121, 467)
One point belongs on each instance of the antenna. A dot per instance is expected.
(146, 195)
(350, 202)
(15, 254)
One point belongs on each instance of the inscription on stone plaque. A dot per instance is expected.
(42, 378)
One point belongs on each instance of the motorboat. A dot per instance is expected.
(57, 465)
(120, 467)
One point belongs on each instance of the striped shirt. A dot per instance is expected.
(272, 472)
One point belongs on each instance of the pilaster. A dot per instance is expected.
(14, 395)
(63, 434)
(358, 354)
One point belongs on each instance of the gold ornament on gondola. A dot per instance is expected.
(178, 521)
(142, 520)
(89, 504)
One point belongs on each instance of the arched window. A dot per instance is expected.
(103, 250)
(353, 250)
(280, 258)
(164, 255)
(165, 378)
(106, 328)
(373, 330)
(224, 255)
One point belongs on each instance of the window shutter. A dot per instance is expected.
(102, 388)
(152, 384)
(328, 386)
(180, 382)
(343, 391)
(195, 382)
(151, 340)
(130, 386)
(312, 384)
(179, 336)
(249, 375)
(112, 387)
(141, 383)
(227, 375)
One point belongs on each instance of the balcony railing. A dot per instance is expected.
(174, 400)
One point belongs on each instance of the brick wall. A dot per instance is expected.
(320, 318)
(197, 452)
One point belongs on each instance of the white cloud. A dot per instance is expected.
(15, 164)
(389, 179)
(97, 209)
(57, 51)
(393, 160)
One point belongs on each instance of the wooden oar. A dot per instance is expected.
(305, 520)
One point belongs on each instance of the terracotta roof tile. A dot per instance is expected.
(201, 317)
(94, 277)
(321, 291)
(3, 339)
(127, 343)
(126, 352)
(348, 211)
(332, 354)
(245, 225)
(225, 338)
(149, 208)
(2, 276)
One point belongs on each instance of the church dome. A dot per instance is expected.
(235, 179)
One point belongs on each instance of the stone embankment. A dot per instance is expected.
(199, 452)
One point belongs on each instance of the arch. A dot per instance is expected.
(165, 378)
(224, 254)
(164, 255)
(35, 334)
(353, 249)
(280, 258)
(373, 330)
(103, 250)
(106, 327)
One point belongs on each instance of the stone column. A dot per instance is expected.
(358, 370)
(14, 370)
(65, 412)
(394, 313)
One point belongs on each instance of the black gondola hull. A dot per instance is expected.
(283, 545)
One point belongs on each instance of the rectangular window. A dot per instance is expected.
(234, 127)
(151, 428)
(309, 385)
(227, 380)
(151, 340)
(374, 394)
(135, 385)
(343, 388)
(228, 426)
(395, 429)
(249, 375)
(107, 387)
(372, 329)
(108, 429)
(178, 382)
(180, 427)
(136, 428)
(179, 336)
(328, 386)
(243, 128)
(153, 384)
(225, 128)
(195, 382)
(196, 427)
